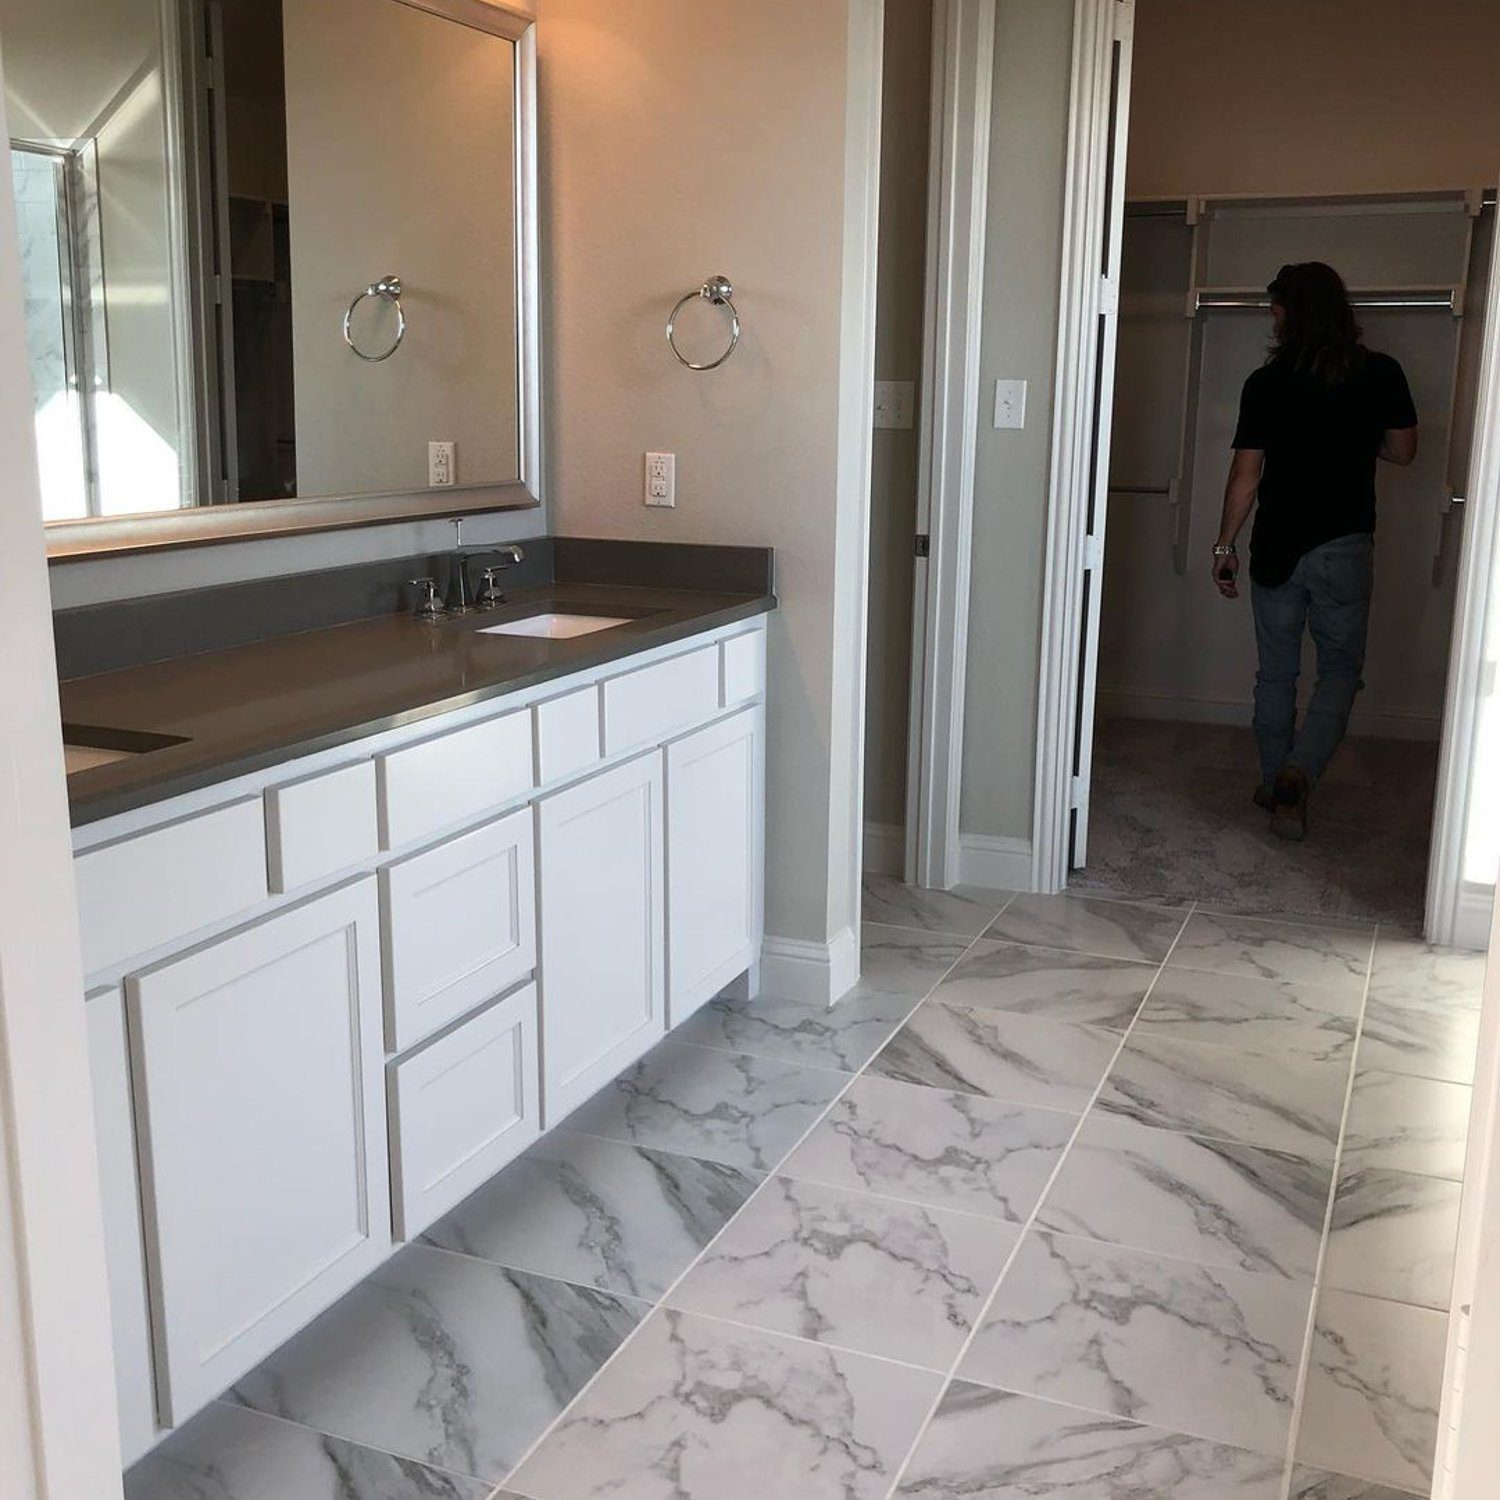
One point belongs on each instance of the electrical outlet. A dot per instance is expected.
(442, 465)
(661, 479)
(1010, 403)
(895, 404)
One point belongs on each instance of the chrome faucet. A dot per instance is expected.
(459, 600)
(491, 597)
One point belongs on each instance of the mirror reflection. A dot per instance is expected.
(256, 266)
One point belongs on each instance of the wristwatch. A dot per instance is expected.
(1225, 549)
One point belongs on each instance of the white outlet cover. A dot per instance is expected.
(442, 461)
(1010, 404)
(895, 405)
(661, 480)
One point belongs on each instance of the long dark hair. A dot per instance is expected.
(1319, 337)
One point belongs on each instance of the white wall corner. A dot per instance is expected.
(885, 849)
(993, 862)
(814, 973)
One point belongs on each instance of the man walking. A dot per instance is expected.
(1314, 420)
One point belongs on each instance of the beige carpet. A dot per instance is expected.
(1172, 818)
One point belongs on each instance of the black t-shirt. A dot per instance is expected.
(1320, 443)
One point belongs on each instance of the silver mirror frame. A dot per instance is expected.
(206, 524)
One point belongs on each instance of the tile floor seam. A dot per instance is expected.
(1294, 1434)
(1097, 1412)
(660, 1304)
(1108, 958)
(505, 1265)
(1027, 1227)
(274, 1416)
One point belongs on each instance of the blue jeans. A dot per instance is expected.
(1329, 595)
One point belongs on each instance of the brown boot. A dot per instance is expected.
(1289, 815)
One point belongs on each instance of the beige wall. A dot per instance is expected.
(679, 140)
(1033, 53)
(428, 198)
(1313, 96)
(905, 130)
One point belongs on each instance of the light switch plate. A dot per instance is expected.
(1010, 403)
(895, 404)
(661, 479)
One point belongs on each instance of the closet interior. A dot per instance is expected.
(1172, 762)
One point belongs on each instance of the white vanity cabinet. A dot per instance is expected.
(263, 1135)
(714, 780)
(331, 998)
(603, 920)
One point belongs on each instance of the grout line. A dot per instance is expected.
(661, 1303)
(1304, 1369)
(318, 1432)
(1027, 1228)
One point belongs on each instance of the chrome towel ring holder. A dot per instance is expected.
(388, 288)
(718, 290)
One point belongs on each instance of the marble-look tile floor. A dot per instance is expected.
(1072, 1197)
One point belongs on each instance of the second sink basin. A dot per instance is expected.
(553, 626)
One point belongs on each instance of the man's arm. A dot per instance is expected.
(1239, 501)
(1399, 445)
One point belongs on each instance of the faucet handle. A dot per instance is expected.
(491, 596)
(428, 606)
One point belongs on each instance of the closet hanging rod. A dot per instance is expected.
(1140, 489)
(1393, 301)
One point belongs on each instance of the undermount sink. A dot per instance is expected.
(555, 627)
(86, 745)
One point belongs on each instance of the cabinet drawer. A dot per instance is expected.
(567, 735)
(460, 926)
(142, 891)
(320, 825)
(743, 667)
(643, 707)
(430, 786)
(462, 1107)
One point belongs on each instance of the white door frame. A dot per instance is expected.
(1088, 300)
(958, 200)
(59, 1426)
(1458, 911)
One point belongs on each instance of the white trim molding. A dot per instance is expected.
(864, 81)
(994, 863)
(1468, 694)
(59, 1426)
(813, 973)
(958, 204)
(1131, 703)
(1097, 24)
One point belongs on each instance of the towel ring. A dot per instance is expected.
(387, 288)
(717, 290)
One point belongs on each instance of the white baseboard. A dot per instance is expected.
(885, 849)
(1471, 919)
(817, 973)
(1390, 724)
(998, 864)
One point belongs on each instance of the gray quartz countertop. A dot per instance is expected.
(239, 710)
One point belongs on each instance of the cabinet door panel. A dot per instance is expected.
(714, 859)
(603, 930)
(460, 926)
(264, 1140)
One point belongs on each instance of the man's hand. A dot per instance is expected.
(1226, 575)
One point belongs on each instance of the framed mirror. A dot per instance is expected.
(279, 262)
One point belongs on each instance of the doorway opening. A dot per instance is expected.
(1173, 760)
